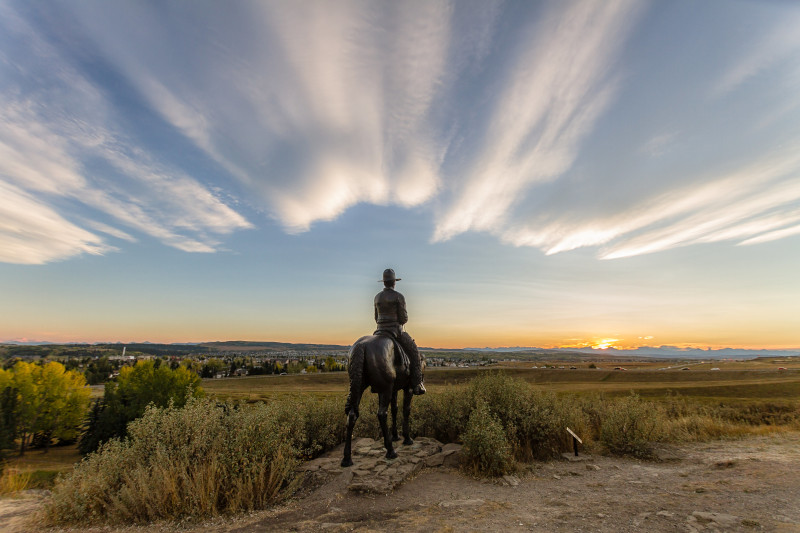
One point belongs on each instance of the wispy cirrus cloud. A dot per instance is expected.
(777, 48)
(523, 190)
(60, 153)
(486, 114)
(559, 83)
(755, 200)
(754, 204)
(313, 109)
(33, 233)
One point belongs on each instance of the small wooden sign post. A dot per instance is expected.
(575, 440)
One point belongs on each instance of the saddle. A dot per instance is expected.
(401, 359)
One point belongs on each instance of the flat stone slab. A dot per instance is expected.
(373, 473)
(572, 458)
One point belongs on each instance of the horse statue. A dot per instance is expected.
(374, 362)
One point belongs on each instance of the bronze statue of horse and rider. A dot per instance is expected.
(387, 362)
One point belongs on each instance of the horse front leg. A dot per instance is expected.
(395, 436)
(407, 396)
(384, 399)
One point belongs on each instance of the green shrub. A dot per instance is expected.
(442, 416)
(629, 426)
(127, 398)
(314, 425)
(486, 451)
(532, 421)
(198, 461)
(539, 426)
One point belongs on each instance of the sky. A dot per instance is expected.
(553, 174)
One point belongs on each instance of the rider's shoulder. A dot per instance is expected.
(389, 293)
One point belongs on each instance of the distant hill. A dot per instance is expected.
(268, 346)
(665, 352)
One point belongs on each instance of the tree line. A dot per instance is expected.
(49, 402)
(42, 404)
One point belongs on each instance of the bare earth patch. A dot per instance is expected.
(745, 485)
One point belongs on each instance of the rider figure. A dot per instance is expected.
(390, 315)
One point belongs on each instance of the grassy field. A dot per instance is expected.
(745, 380)
(756, 384)
(41, 468)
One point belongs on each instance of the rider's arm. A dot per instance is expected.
(402, 314)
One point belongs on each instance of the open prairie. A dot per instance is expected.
(752, 380)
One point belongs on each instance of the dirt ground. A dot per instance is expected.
(744, 485)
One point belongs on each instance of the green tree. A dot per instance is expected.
(126, 399)
(64, 400)
(211, 367)
(98, 371)
(48, 399)
(8, 413)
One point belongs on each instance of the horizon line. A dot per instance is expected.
(683, 348)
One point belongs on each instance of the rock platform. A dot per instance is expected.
(373, 473)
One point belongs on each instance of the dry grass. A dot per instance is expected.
(646, 380)
(13, 480)
(41, 467)
(56, 459)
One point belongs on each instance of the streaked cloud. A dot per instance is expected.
(32, 233)
(61, 153)
(491, 117)
(766, 51)
(555, 89)
(313, 109)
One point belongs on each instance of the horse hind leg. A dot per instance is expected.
(384, 398)
(407, 396)
(352, 416)
(395, 436)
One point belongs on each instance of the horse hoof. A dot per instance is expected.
(395, 438)
(391, 454)
(347, 461)
(408, 441)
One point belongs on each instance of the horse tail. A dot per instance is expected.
(355, 369)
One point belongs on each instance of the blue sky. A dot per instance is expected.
(539, 173)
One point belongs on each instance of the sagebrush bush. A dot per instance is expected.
(314, 425)
(441, 416)
(532, 420)
(486, 450)
(629, 425)
(197, 461)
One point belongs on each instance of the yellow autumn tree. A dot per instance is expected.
(48, 399)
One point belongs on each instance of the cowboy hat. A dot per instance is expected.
(388, 275)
